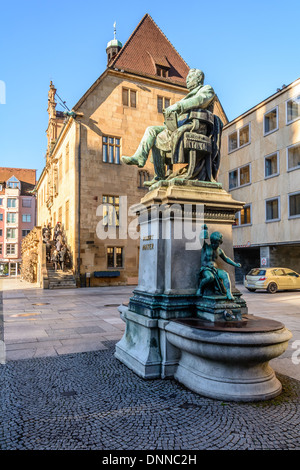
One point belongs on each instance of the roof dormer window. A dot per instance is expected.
(13, 183)
(162, 71)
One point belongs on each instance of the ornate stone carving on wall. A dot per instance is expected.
(30, 255)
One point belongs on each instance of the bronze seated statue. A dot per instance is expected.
(197, 143)
(191, 135)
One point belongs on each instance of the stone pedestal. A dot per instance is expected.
(208, 343)
(171, 218)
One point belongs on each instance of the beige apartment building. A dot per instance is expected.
(84, 185)
(261, 167)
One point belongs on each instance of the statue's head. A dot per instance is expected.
(194, 78)
(216, 239)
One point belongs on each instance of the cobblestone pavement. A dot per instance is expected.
(92, 401)
(86, 399)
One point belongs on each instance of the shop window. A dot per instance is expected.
(13, 269)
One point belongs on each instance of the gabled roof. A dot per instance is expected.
(27, 177)
(147, 47)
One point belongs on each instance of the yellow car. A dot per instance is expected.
(272, 279)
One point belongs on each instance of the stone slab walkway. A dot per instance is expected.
(62, 388)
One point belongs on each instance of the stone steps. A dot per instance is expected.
(60, 279)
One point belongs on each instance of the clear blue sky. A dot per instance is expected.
(246, 49)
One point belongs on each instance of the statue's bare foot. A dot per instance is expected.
(132, 161)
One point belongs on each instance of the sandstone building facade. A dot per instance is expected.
(83, 171)
(261, 166)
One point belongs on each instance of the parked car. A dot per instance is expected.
(272, 279)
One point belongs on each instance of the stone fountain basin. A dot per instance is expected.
(229, 360)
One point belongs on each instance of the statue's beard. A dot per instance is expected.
(192, 86)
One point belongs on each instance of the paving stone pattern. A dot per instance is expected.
(91, 401)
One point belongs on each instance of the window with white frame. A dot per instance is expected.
(26, 217)
(272, 209)
(11, 202)
(239, 138)
(293, 157)
(1, 216)
(10, 249)
(271, 121)
(10, 233)
(1, 248)
(11, 217)
(13, 183)
(271, 165)
(240, 177)
(244, 216)
(293, 109)
(1, 201)
(294, 205)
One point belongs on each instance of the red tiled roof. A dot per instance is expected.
(26, 176)
(148, 47)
